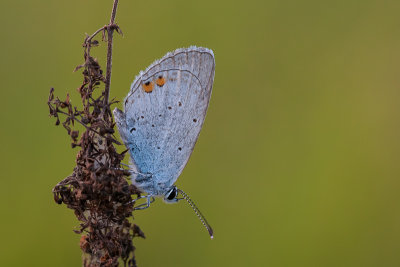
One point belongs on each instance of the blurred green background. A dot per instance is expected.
(298, 160)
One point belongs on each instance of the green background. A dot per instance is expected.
(298, 160)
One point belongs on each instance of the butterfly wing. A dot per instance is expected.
(165, 110)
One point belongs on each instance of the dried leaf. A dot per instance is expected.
(78, 67)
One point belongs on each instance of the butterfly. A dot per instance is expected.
(163, 114)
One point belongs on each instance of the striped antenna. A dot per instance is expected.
(198, 213)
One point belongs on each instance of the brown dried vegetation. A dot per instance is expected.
(98, 190)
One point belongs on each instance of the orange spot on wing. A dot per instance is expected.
(160, 81)
(148, 87)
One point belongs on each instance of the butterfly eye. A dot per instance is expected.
(172, 194)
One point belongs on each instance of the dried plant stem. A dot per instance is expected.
(95, 33)
(110, 31)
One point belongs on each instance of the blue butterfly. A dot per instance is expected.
(163, 115)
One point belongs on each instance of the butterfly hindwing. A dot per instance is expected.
(165, 110)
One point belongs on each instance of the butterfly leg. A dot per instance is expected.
(123, 164)
(119, 169)
(150, 199)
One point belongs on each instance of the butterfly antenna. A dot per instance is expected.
(198, 213)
